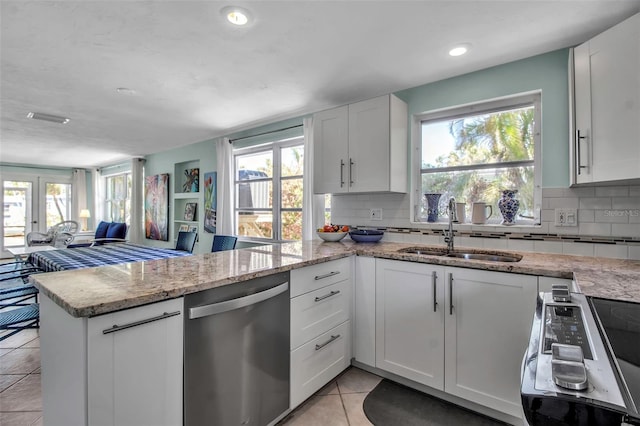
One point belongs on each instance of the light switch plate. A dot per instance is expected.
(566, 217)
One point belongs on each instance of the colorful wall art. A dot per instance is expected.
(210, 201)
(156, 207)
(192, 180)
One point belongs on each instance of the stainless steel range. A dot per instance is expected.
(582, 366)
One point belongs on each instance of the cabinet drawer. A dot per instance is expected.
(316, 312)
(313, 277)
(315, 363)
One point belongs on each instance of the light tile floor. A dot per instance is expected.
(338, 403)
(20, 393)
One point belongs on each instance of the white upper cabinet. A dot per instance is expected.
(361, 147)
(606, 139)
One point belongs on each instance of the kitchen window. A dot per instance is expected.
(263, 174)
(474, 152)
(118, 198)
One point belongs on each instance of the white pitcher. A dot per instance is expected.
(479, 212)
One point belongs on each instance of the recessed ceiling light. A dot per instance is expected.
(236, 15)
(459, 50)
(48, 117)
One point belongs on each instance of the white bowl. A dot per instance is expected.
(331, 236)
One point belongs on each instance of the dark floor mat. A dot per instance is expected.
(392, 404)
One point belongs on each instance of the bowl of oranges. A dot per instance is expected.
(332, 233)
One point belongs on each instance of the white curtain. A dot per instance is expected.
(79, 192)
(312, 204)
(98, 196)
(136, 227)
(225, 217)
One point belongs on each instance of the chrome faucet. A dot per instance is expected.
(453, 217)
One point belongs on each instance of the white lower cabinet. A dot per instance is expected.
(315, 363)
(410, 320)
(321, 299)
(130, 375)
(315, 312)
(135, 370)
(459, 330)
(487, 324)
(364, 315)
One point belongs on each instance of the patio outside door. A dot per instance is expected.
(32, 203)
(19, 218)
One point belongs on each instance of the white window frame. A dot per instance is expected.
(492, 105)
(276, 208)
(107, 201)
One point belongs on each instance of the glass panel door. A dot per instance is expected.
(18, 221)
(57, 203)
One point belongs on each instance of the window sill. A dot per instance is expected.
(497, 227)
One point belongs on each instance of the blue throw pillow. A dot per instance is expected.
(101, 230)
(117, 230)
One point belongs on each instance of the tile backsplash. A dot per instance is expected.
(608, 222)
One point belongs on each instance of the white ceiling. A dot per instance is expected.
(196, 77)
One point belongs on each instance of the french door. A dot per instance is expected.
(32, 203)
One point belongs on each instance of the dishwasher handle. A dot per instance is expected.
(240, 302)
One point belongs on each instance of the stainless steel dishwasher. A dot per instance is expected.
(236, 363)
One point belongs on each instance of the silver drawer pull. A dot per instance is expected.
(137, 323)
(330, 274)
(322, 345)
(333, 293)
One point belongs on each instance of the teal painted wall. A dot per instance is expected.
(165, 162)
(205, 153)
(34, 170)
(547, 72)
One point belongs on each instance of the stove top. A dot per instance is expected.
(620, 324)
(582, 366)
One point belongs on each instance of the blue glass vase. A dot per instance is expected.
(508, 206)
(433, 201)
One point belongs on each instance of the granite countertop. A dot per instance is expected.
(94, 291)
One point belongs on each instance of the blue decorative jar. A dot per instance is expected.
(508, 206)
(433, 201)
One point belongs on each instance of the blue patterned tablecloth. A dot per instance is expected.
(107, 254)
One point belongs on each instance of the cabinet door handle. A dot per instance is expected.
(351, 163)
(434, 277)
(579, 166)
(326, 296)
(341, 173)
(137, 323)
(450, 293)
(330, 274)
(322, 345)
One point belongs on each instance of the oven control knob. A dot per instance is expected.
(560, 293)
(567, 367)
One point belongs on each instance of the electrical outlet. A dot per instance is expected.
(375, 214)
(566, 217)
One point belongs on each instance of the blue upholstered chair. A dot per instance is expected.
(106, 232)
(186, 241)
(223, 242)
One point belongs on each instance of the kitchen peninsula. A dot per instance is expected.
(74, 304)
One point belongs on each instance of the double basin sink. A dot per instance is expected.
(466, 254)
